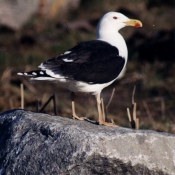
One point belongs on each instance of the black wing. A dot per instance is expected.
(92, 62)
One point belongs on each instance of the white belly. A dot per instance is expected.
(76, 86)
(84, 87)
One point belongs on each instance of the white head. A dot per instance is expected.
(112, 22)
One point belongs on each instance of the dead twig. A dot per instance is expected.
(54, 104)
(113, 122)
(133, 93)
(134, 121)
(112, 95)
(129, 114)
(134, 115)
(48, 101)
(22, 95)
(109, 102)
(103, 109)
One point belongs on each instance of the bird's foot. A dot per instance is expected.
(107, 124)
(78, 118)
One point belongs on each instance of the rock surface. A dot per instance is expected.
(36, 143)
(15, 13)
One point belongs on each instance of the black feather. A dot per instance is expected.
(91, 62)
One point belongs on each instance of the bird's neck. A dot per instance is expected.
(115, 39)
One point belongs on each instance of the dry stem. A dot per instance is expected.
(22, 95)
(133, 119)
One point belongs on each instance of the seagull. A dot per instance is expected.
(92, 65)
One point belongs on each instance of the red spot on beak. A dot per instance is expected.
(137, 25)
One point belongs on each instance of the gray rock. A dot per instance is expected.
(35, 143)
(15, 13)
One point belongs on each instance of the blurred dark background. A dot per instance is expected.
(32, 31)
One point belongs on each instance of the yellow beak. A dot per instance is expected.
(134, 23)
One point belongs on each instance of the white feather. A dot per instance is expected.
(67, 52)
(67, 60)
(19, 73)
(34, 73)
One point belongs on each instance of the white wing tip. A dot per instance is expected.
(24, 74)
(20, 73)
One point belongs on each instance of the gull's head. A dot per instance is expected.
(113, 21)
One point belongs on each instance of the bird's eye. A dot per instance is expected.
(115, 17)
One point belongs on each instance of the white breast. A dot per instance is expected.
(119, 42)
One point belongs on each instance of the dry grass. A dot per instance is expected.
(154, 112)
